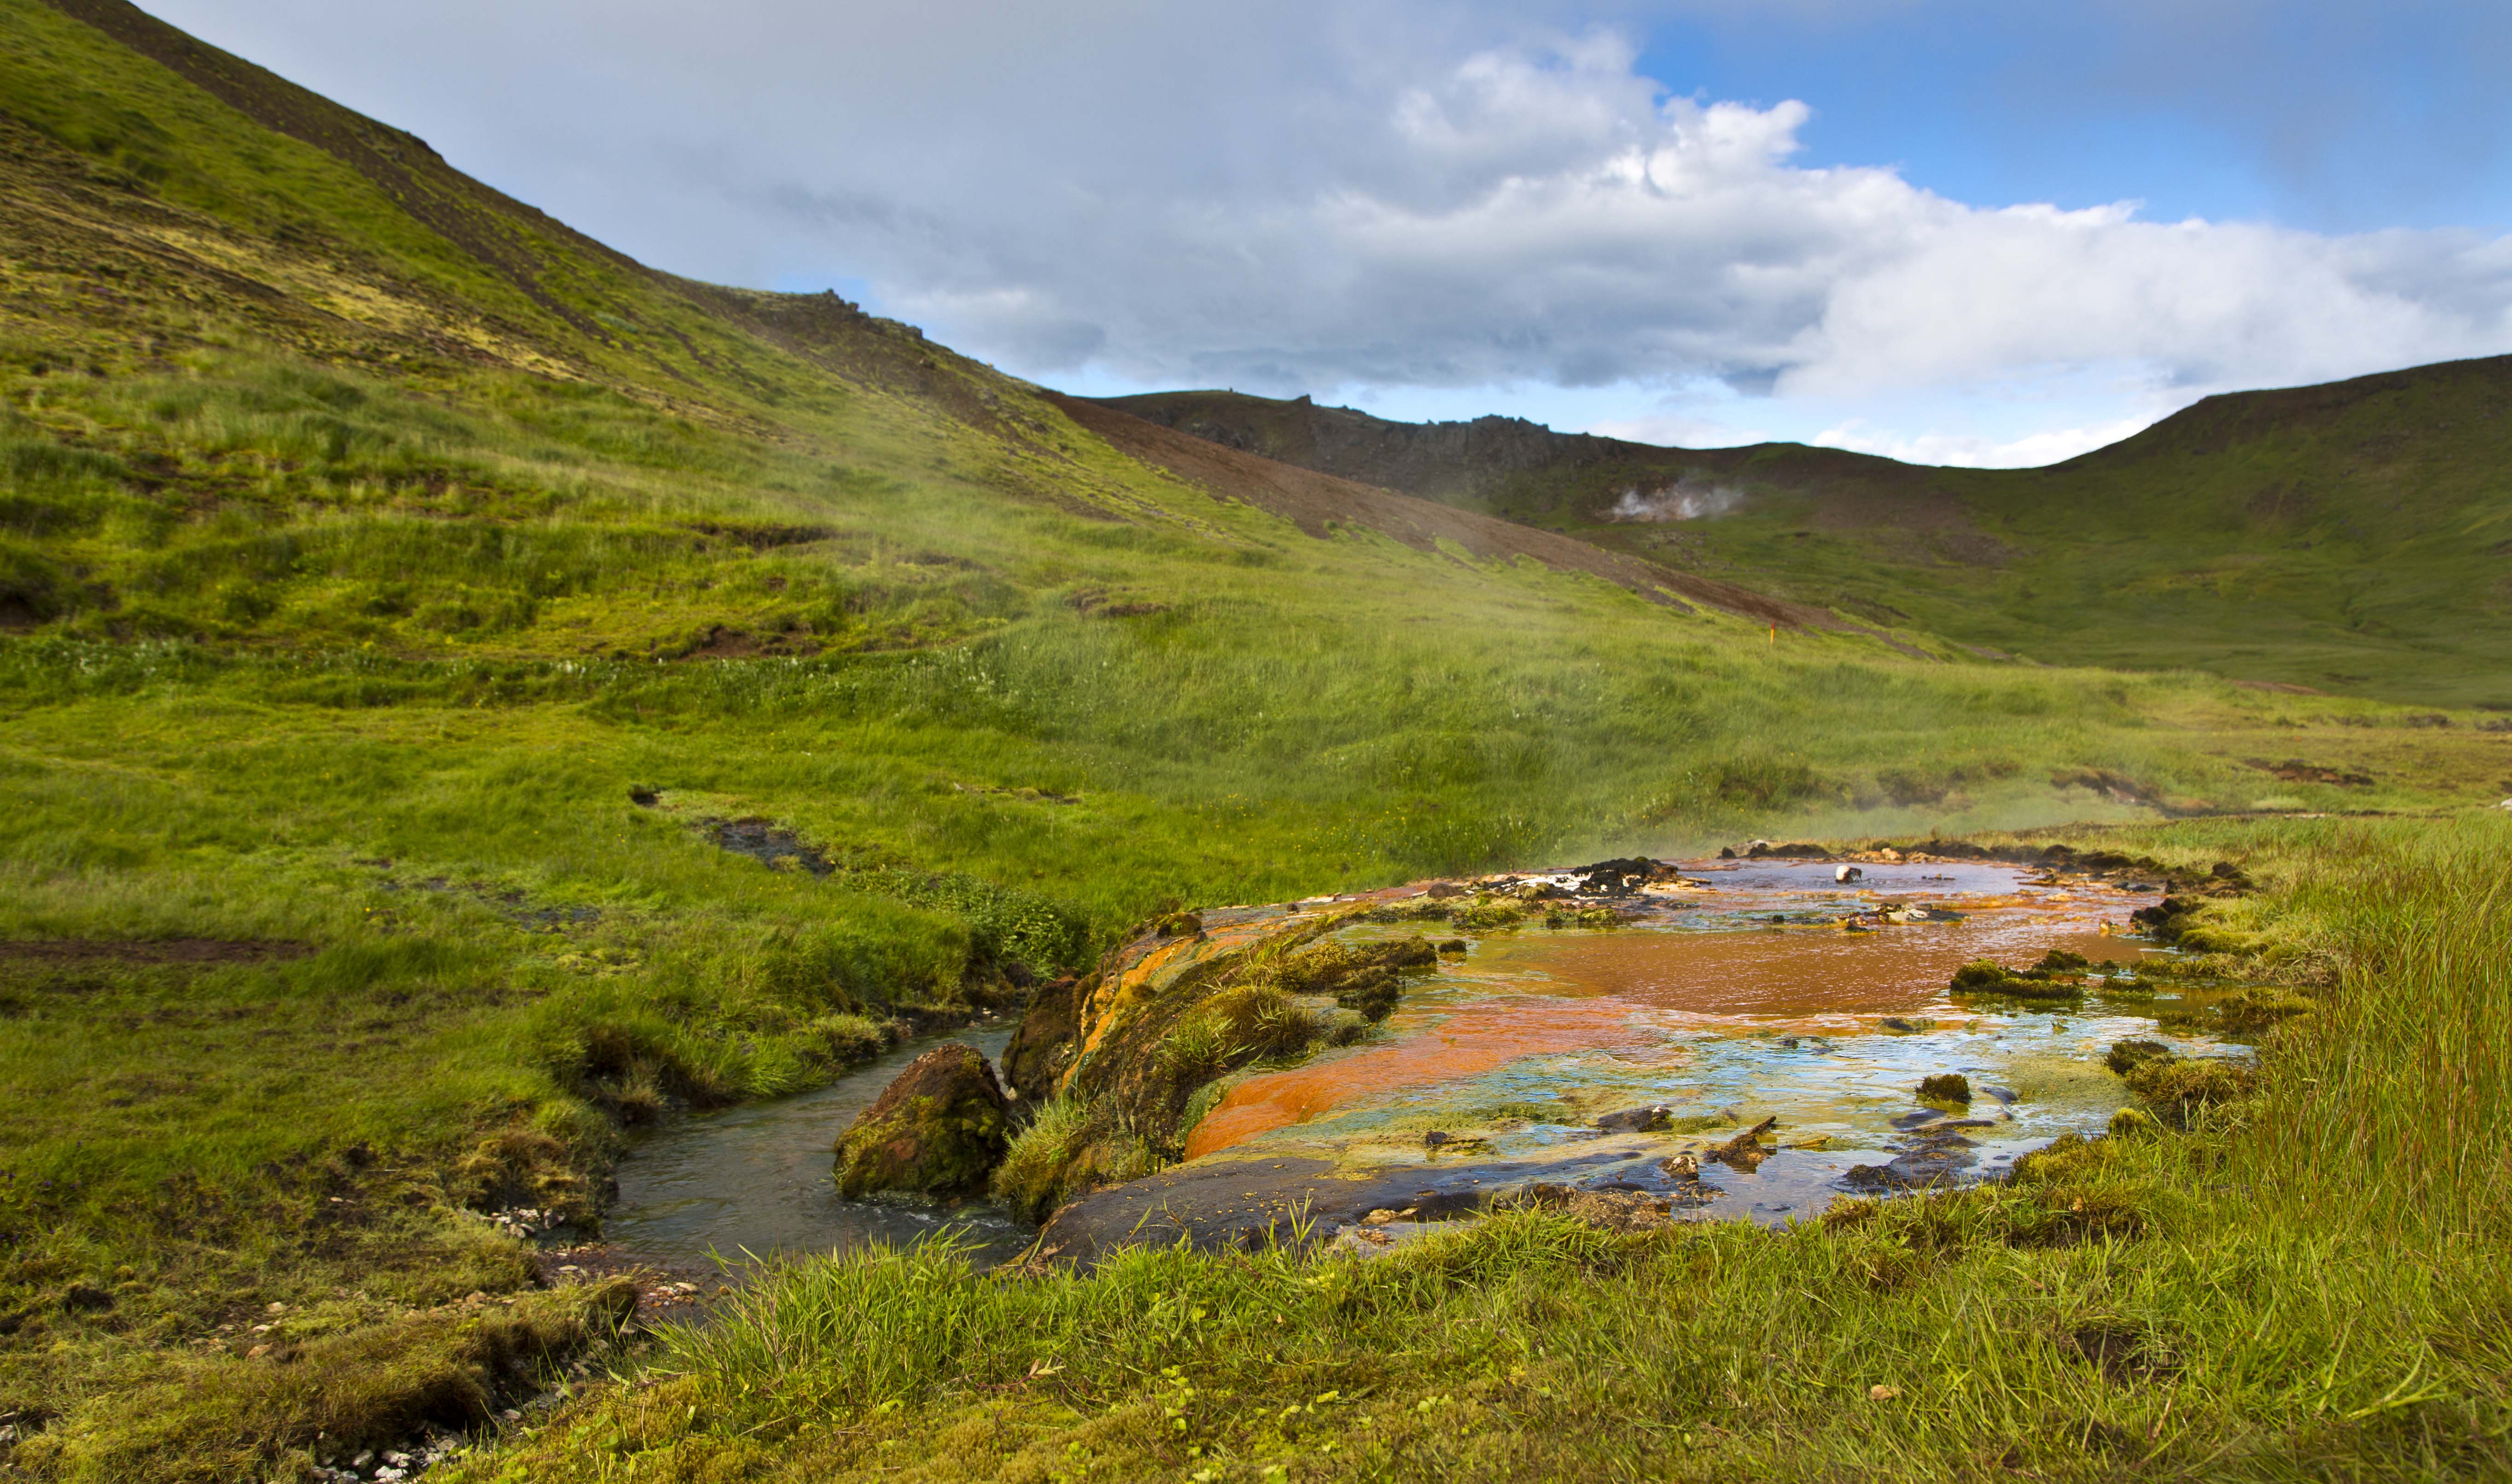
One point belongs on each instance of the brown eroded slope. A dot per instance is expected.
(1317, 501)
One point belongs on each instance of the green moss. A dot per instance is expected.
(941, 1127)
(1952, 1088)
(2179, 1087)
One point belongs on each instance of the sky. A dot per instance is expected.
(1995, 232)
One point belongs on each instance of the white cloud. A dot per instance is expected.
(1977, 451)
(1365, 200)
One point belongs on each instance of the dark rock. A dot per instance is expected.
(1651, 1119)
(2166, 919)
(1039, 1052)
(1936, 1159)
(1435, 1138)
(941, 1126)
(1744, 1152)
(1453, 945)
(1619, 877)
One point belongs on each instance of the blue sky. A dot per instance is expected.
(2334, 117)
(1943, 229)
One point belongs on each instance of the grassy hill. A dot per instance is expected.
(401, 589)
(2349, 537)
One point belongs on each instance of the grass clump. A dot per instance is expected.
(330, 1397)
(2176, 1087)
(1948, 1087)
(1067, 1149)
(2059, 976)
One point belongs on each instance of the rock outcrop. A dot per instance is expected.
(940, 1128)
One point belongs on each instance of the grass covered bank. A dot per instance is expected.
(2311, 1283)
(308, 962)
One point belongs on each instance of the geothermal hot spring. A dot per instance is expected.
(1741, 999)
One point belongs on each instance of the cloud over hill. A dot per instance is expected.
(1310, 198)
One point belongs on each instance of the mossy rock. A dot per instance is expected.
(2052, 980)
(1486, 912)
(2127, 1056)
(939, 1128)
(1948, 1087)
(2176, 1087)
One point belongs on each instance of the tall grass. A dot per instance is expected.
(2403, 1084)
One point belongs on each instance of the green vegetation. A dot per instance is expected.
(2106, 1314)
(403, 594)
(2347, 538)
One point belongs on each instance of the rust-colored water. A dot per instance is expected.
(1527, 993)
(1788, 972)
(1470, 1038)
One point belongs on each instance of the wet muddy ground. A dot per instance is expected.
(1761, 990)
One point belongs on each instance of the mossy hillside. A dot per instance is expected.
(2336, 537)
(2345, 537)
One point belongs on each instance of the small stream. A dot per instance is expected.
(756, 1178)
(1745, 998)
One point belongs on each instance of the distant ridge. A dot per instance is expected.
(2350, 537)
(1316, 501)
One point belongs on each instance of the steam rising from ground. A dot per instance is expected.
(1686, 499)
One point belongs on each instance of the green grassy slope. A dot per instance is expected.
(2349, 537)
(367, 538)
